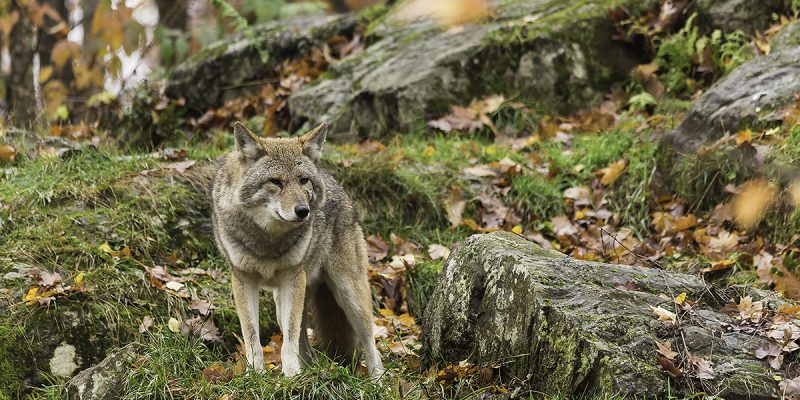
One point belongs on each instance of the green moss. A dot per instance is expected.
(701, 178)
(14, 349)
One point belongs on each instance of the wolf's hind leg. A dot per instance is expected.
(352, 293)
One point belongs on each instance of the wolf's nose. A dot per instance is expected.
(301, 211)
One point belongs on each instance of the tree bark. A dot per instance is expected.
(21, 96)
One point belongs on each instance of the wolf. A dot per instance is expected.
(283, 222)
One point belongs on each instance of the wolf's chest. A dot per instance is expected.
(268, 267)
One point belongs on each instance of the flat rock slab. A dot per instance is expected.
(577, 328)
(753, 95)
(557, 54)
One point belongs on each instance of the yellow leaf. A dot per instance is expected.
(429, 151)
(54, 93)
(174, 325)
(752, 201)
(611, 173)
(79, 278)
(744, 136)
(63, 51)
(31, 295)
(105, 248)
(680, 298)
(45, 73)
(406, 319)
(517, 229)
(386, 312)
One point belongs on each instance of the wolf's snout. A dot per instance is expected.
(301, 211)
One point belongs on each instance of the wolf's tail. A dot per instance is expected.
(333, 334)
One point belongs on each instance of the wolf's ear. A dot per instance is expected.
(247, 141)
(313, 140)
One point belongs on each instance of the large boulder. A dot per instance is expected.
(557, 54)
(231, 67)
(754, 95)
(744, 15)
(577, 328)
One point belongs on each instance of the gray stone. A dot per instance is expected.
(228, 68)
(572, 329)
(557, 54)
(105, 380)
(753, 95)
(745, 15)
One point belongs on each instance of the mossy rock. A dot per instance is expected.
(583, 329)
(226, 69)
(558, 54)
(752, 96)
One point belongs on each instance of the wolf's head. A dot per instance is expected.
(280, 185)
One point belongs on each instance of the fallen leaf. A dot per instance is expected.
(703, 368)
(668, 366)
(454, 205)
(7, 153)
(437, 251)
(377, 248)
(174, 325)
(750, 310)
(750, 204)
(180, 166)
(147, 323)
(216, 373)
(173, 285)
(664, 315)
(611, 173)
(203, 307)
(203, 328)
(665, 349)
(679, 299)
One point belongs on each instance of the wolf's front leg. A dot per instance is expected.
(245, 298)
(290, 302)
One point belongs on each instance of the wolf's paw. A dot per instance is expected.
(291, 367)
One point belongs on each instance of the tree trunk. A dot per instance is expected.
(21, 96)
(173, 14)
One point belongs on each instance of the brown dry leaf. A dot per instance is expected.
(703, 368)
(750, 310)
(725, 241)
(611, 173)
(670, 13)
(480, 171)
(147, 323)
(493, 212)
(454, 205)
(665, 349)
(752, 201)
(377, 248)
(790, 388)
(216, 373)
(204, 328)
(272, 351)
(203, 307)
(668, 366)
(664, 315)
(7, 153)
(63, 51)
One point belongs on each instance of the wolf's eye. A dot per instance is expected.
(276, 182)
(303, 181)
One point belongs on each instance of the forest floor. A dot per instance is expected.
(113, 246)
